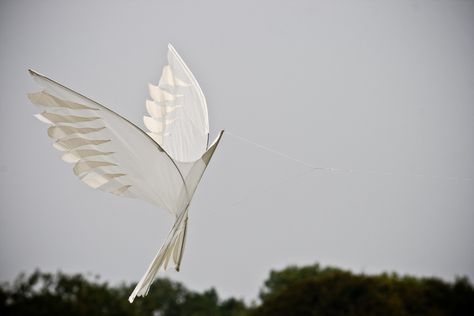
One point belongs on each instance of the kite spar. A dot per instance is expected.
(162, 166)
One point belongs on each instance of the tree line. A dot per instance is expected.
(309, 290)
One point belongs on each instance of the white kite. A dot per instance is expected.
(162, 166)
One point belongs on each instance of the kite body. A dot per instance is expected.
(162, 166)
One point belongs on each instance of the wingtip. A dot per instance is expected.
(34, 73)
(172, 50)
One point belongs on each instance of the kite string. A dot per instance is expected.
(331, 169)
(278, 153)
(310, 168)
(268, 187)
(273, 151)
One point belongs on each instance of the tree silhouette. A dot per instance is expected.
(310, 290)
(315, 291)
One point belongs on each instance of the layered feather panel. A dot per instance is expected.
(178, 118)
(108, 152)
(84, 142)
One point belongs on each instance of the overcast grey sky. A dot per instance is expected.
(374, 86)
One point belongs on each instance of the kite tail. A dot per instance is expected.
(173, 247)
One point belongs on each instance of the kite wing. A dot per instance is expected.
(108, 152)
(178, 118)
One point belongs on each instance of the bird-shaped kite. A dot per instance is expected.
(162, 166)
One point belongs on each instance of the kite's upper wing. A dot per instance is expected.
(178, 118)
(108, 152)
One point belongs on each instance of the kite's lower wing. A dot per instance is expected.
(172, 248)
(108, 152)
(174, 244)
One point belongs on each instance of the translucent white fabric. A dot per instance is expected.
(178, 118)
(111, 154)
